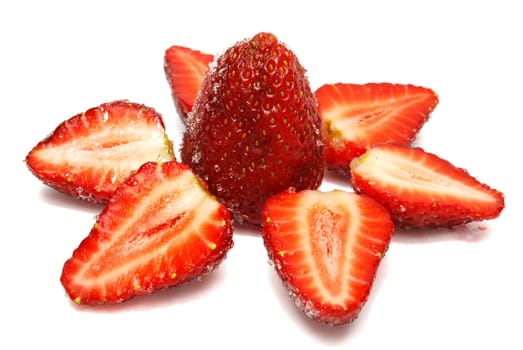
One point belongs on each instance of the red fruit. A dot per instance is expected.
(422, 190)
(356, 117)
(90, 154)
(160, 229)
(326, 247)
(185, 69)
(255, 129)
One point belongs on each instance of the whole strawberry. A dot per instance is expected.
(255, 129)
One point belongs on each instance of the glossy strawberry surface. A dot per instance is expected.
(255, 128)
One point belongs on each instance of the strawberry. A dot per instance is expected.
(356, 117)
(421, 189)
(160, 229)
(90, 154)
(326, 247)
(255, 129)
(185, 69)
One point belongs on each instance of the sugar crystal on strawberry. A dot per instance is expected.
(254, 130)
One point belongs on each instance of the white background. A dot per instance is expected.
(435, 289)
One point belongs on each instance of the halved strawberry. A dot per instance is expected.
(90, 154)
(160, 229)
(185, 69)
(326, 248)
(421, 189)
(356, 117)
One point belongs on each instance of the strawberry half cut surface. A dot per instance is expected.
(160, 229)
(185, 69)
(356, 117)
(255, 129)
(326, 247)
(89, 155)
(422, 190)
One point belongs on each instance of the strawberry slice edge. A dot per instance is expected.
(160, 229)
(422, 190)
(326, 248)
(88, 155)
(184, 69)
(356, 117)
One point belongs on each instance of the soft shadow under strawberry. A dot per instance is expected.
(331, 335)
(335, 180)
(190, 292)
(57, 199)
(246, 229)
(470, 233)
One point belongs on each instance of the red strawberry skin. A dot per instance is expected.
(255, 129)
(160, 229)
(90, 154)
(184, 69)
(422, 190)
(356, 117)
(326, 247)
